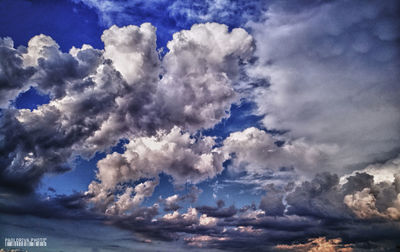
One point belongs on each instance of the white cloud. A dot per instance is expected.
(188, 218)
(207, 221)
(201, 68)
(171, 202)
(101, 96)
(133, 51)
(255, 152)
(175, 153)
(382, 172)
(40, 46)
(126, 202)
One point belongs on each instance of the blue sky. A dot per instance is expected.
(200, 125)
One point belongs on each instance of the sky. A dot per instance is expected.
(211, 125)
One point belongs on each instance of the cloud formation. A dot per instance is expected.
(175, 153)
(314, 207)
(318, 244)
(13, 74)
(333, 75)
(324, 159)
(98, 98)
(258, 152)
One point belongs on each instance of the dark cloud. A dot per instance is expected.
(320, 198)
(272, 202)
(72, 206)
(217, 212)
(311, 214)
(13, 74)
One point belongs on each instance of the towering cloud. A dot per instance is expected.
(125, 90)
(201, 68)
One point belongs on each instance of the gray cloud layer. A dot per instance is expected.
(334, 79)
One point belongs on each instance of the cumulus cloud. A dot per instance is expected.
(378, 201)
(201, 69)
(333, 77)
(175, 153)
(126, 202)
(313, 208)
(43, 140)
(13, 73)
(187, 219)
(321, 206)
(171, 203)
(257, 153)
(360, 197)
(272, 203)
(101, 96)
(133, 51)
(329, 81)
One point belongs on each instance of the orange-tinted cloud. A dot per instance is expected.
(318, 244)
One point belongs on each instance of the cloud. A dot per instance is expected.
(126, 202)
(201, 241)
(380, 171)
(333, 77)
(378, 201)
(328, 98)
(201, 68)
(219, 212)
(175, 153)
(69, 207)
(173, 203)
(43, 140)
(321, 197)
(307, 211)
(272, 203)
(97, 98)
(257, 153)
(316, 208)
(13, 74)
(318, 244)
(207, 221)
(133, 51)
(176, 14)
